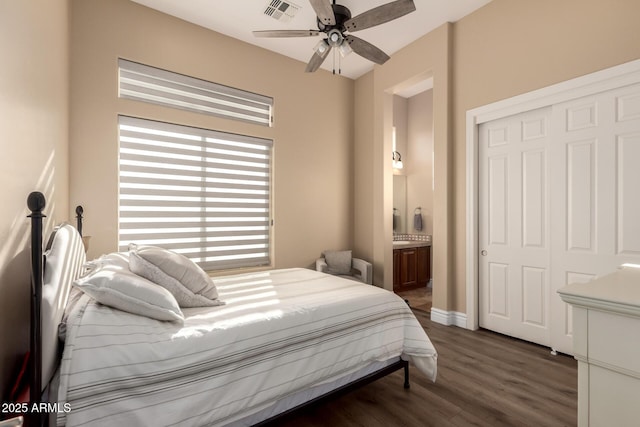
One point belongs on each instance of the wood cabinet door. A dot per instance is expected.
(408, 267)
(396, 269)
(424, 264)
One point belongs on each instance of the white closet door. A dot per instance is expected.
(559, 195)
(595, 168)
(514, 233)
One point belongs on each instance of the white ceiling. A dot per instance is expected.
(239, 18)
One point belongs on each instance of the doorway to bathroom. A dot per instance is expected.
(412, 157)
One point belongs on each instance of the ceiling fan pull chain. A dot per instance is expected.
(334, 61)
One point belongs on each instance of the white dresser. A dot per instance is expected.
(606, 343)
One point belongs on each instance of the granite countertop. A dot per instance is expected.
(406, 244)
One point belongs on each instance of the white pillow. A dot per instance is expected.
(121, 289)
(188, 283)
(116, 259)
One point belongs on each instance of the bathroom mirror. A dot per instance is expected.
(399, 204)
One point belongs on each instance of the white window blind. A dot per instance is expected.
(202, 193)
(149, 84)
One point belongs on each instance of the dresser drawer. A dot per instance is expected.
(614, 339)
(613, 398)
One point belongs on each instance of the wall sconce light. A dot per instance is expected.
(397, 160)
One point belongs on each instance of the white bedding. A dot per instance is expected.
(280, 331)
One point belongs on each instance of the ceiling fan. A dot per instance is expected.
(335, 20)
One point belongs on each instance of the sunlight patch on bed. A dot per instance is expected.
(244, 278)
(243, 291)
(225, 310)
(206, 322)
(249, 318)
(223, 288)
(250, 297)
(236, 321)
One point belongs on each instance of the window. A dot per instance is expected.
(149, 84)
(201, 193)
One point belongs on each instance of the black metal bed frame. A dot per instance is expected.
(36, 203)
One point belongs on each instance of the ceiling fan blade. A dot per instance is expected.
(286, 33)
(316, 61)
(366, 50)
(324, 11)
(380, 15)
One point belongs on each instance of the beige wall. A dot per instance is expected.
(313, 130)
(420, 161)
(504, 49)
(34, 117)
(363, 168)
(427, 57)
(512, 47)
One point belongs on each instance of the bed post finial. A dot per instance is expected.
(79, 212)
(36, 203)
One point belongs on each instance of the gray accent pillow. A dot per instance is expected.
(338, 262)
(129, 292)
(188, 283)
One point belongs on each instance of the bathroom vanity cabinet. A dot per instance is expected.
(411, 267)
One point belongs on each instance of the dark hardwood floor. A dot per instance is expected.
(484, 379)
(418, 299)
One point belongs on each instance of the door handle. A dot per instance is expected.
(483, 252)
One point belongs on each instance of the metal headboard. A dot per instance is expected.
(36, 203)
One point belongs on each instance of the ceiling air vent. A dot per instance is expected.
(281, 10)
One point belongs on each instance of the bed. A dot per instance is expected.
(283, 339)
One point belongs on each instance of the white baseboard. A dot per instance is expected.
(449, 318)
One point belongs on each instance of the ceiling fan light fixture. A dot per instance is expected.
(345, 49)
(334, 20)
(321, 47)
(335, 38)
